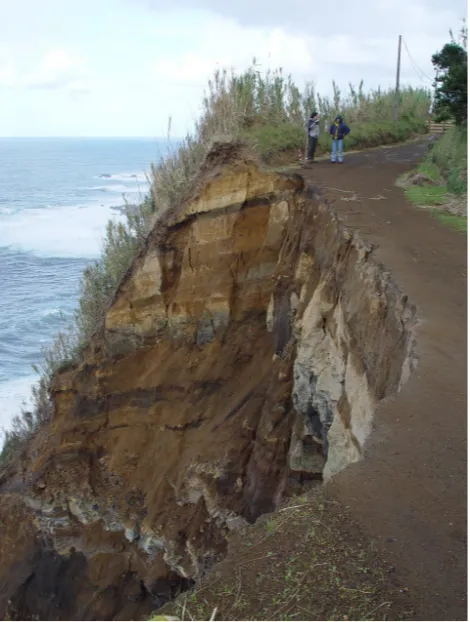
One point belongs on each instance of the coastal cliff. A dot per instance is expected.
(241, 361)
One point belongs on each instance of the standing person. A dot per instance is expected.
(338, 131)
(313, 132)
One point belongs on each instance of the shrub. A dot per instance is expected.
(451, 84)
(449, 154)
(57, 357)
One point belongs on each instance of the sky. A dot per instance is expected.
(123, 67)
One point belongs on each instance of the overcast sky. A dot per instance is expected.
(122, 67)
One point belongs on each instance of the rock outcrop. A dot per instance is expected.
(242, 358)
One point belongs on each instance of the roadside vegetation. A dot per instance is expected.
(440, 182)
(268, 112)
(369, 114)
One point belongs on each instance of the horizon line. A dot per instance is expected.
(88, 137)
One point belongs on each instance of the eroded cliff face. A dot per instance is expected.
(243, 358)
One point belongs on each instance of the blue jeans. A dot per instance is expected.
(337, 148)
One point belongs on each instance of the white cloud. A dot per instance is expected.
(146, 65)
(7, 74)
(58, 69)
(343, 40)
(219, 46)
(317, 57)
(359, 18)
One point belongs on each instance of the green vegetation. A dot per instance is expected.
(426, 195)
(280, 131)
(449, 155)
(441, 180)
(268, 112)
(430, 170)
(451, 64)
(455, 222)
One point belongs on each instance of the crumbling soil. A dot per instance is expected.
(130, 426)
(400, 514)
(410, 491)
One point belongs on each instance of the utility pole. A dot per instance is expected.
(397, 87)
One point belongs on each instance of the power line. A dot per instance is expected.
(418, 71)
(421, 73)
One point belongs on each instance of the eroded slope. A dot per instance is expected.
(242, 359)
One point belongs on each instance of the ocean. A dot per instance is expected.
(56, 197)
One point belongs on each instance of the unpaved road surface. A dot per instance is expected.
(410, 492)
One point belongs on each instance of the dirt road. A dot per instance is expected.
(410, 492)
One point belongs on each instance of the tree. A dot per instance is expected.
(451, 83)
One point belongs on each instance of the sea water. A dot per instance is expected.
(56, 197)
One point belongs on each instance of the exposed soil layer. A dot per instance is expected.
(242, 360)
(398, 516)
(410, 491)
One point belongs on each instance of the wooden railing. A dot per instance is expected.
(439, 128)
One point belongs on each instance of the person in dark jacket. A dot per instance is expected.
(338, 131)
(313, 132)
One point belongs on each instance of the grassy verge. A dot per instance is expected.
(437, 198)
(440, 182)
(455, 222)
(305, 562)
(449, 155)
(426, 195)
(268, 112)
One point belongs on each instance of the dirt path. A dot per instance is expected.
(410, 492)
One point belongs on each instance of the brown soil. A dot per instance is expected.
(307, 561)
(389, 537)
(175, 425)
(410, 491)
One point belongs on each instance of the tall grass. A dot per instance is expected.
(268, 111)
(445, 167)
(449, 154)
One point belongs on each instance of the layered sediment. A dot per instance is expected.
(242, 359)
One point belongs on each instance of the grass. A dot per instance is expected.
(305, 562)
(426, 195)
(268, 112)
(370, 118)
(450, 220)
(430, 170)
(442, 180)
(449, 155)
(436, 197)
(286, 139)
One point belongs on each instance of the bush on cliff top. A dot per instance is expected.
(268, 112)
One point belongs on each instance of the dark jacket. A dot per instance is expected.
(343, 129)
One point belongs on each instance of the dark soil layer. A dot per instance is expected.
(410, 491)
(389, 540)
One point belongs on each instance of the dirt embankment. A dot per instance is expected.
(242, 361)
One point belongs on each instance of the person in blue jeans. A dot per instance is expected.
(338, 131)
